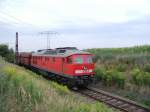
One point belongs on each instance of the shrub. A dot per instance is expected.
(110, 77)
(7, 53)
(99, 73)
(114, 77)
(147, 68)
(137, 76)
(146, 79)
(140, 78)
(121, 67)
(108, 80)
(118, 79)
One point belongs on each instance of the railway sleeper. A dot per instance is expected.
(118, 103)
(113, 101)
(108, 99)
(134, 109)
(126, 106)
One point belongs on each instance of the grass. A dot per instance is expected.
(124, 69)
(110, 77)
(24, 91)
(122, 58)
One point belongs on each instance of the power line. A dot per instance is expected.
(48, 36)
(16, 19)
(5, 20)
(9, 19)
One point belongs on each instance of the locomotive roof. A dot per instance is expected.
(43, 50)
(58, 53)
(71, 48)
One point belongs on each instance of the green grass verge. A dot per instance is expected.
(24, 91)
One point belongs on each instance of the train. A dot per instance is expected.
(67, 65)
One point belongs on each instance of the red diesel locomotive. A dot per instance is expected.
(68, 65)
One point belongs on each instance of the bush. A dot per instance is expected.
(118, 78)
(140, 78)
(146, 79)
(121, 67)
(108, 80)
(110, 77)
(147, 68)
(113, 77)
(137, 77)
(99, 73)
(7, 53)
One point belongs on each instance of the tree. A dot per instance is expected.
(7, 53)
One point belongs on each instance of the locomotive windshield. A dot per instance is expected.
(83, 59)
(89, 59)
(79, 60)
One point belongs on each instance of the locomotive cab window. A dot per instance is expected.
(78, 60)
(89, 59)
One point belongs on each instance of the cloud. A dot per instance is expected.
(81, 23)
(98, 35)
(141, 25)
(55, 12)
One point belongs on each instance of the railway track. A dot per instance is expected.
(114, 101)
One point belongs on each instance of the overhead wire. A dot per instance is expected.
(6, 20)
(12, 20)
(17, 21)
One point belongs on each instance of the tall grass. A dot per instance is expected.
(126, 68)
(135, 55)
(23, 91)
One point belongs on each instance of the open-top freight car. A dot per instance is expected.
(24, 58)
(68, 64)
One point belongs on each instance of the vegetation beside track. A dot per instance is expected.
(24, 91)
(126, 70)
(6, 53)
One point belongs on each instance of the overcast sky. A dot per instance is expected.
(80, 23)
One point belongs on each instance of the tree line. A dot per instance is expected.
(7, 53)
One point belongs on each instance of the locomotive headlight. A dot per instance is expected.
(78, 71)
(90, 70)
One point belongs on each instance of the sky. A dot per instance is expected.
(80, 23)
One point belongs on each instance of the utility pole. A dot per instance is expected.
(48, 36)
(16, 50)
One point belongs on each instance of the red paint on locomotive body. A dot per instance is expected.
(78, 65)
(66, 62)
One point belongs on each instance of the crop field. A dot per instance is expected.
(24, 91)
(126, 71)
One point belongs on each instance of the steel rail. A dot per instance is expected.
(112, 100)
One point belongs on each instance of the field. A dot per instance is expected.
(24, 91)
(125, 71)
